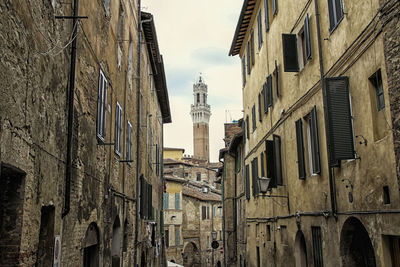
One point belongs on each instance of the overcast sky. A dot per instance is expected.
(194, 37)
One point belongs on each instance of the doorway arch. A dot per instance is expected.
(356, 248)
(300, 250)
(116, 242)
(91, 246)
(191, 255)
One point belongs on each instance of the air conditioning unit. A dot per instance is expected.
(204, 189)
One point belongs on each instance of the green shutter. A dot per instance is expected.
(314, 142)
(259, 107)
(269, 91)
(247, 182)
(265, 93)
(307, 37)
(165, 201)
(269, 153)
(276, 74)
(339, 119)
(278, 159)
(262, 164)
(177, 201)
(266, 15)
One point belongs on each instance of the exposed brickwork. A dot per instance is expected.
(390, 17)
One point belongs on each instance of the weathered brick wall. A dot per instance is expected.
(391, 19)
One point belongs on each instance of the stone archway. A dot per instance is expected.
(300, 250)
(116, 242)
(91, 246)
(356, 249)
(191, 255)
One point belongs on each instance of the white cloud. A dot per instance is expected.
(195, 36)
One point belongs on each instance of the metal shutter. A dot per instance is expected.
(339, 119)
(290, 60)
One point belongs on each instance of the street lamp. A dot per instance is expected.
(264, 184)
(214, 235)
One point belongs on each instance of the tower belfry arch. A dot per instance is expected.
(200, 112)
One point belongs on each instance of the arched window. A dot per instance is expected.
(198, 98)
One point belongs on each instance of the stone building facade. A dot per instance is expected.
(81, 125)
(321, 138)
(192, 212)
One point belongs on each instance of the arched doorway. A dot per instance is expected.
(191, 255)
(116, 242)
(356, 248)
(91, 246)
(219, 264)
(300, 250)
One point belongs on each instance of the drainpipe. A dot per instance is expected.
(71, 93)
(139, 102)
(332, 187)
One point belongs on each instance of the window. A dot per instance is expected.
(244, 70)
(106, 4)
(129, 142)
(276, 76)
(259, 107)
(262, 164)
(274, 163)
(198, 98)
(317, 246)
(166, 237)
(118, 128)
(339, 120)
(284, 236)
(266, 15)
(248, 58)
(335, 13)
(238, 159)
(312, 145)
(208, 212)
(268, 232)
(214, 211)
(259, 26)
(247, 182)
(254, 177)
(253, 57)
(376, 80)
(177, 201)
(258, 257)
(294, 52)
(269, 98)
(198, 176)
(274, 7)
(203, 212)
(265, 94)
(247, 127)
(208, 241)
(157, 160)
(186, 174)
(165, 201)
(278, 160)
(101, 106)
(253, 117)
(146, 199)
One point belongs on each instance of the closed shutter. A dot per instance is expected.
(177, 236)
(259, 107)
(177, 201)
(247, 182)
(157, 160)
(253, 55)
(149, 200)
(269, 153)
(165, 201)
(307, 37)
(262, 164)
(331, 11)
(276, 74)
(339, 119)
(253, 117)
(247, 127)
(317, 246)
(339, 10)
(274, 7)
(269, 91)
(315, 142)
(244, 70)
(248, 58)
(300, 149)
(277, 159)
(259, 24)
(203, 212)
(290, 60)
(265, 93)
(254, 176)
(142, 196)
(266, 15)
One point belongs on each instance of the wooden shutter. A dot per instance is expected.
(259, 24)
(259, 107)
(248, 58)
(157, 160)
(290, 60)
(332, 20)
(247, 127)
(142, 196)
(317, 246)
(307, 37)
(339, 119)
(276, 74)
(274, 7)
(253, 117)
(315, 142)
(177, 199)
(244, 70)
(165, 201)
(262, 164)
(149, 201)
(247, 182)
(266, 15)
(265, 93)
(269, 91)
(277, 159)
(203, 212)
(300, 149)
(269, 153)
(339, 10)
(254, 176)
(253, 55)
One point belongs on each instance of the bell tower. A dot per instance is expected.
(200, 112)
